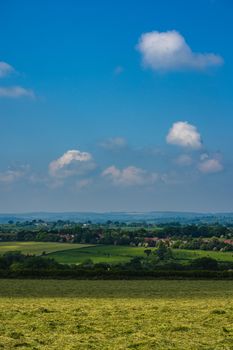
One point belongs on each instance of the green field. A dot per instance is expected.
(185, 255)
(71, 253)
(118, 315)
(37, 248)
(101, 253)
(116, 254)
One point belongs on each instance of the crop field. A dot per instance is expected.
(37, 248)
(118, 315)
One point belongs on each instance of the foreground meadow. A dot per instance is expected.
(162, 315)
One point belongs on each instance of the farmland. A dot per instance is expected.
(68, 253)
(116, 254)
(37, 248)
(116, 315)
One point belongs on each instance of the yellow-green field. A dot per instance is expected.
(161, 315)
(38, 248)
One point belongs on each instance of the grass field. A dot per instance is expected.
(185, 255)
(76, 253)
(118, 315)
(37, 248)
(101, 253)
(114, 254)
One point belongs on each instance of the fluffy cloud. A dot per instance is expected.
(209, 165)
(185, 135)
(5, 69)
(16, 92)
(71, 163)
(130, 176)
(167, 51)
(114, 143)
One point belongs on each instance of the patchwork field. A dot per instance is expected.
(161, 315)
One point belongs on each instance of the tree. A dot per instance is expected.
(147, 252)
(205, 263)
(163, 252)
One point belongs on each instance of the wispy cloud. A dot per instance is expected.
(185, 135)
(118, 70)
(184, 160)
(114, 143)
(83, 183)
(10, 176)
(16, 92)
(168, 51)
(5, 69)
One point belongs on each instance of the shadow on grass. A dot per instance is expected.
(146, 289)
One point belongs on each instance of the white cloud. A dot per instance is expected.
(185, 135)
(167, 51)
(130, 176)
(114, 143)
(16, 92)
(70, 163)
(209, 165)
(184, 160)
(5, 69)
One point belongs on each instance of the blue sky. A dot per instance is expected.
(116, 105)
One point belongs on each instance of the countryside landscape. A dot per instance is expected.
(116, 285)
(116, 169)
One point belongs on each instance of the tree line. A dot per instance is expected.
(157, 263)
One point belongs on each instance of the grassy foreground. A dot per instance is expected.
(117, 315)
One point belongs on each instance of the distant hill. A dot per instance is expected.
(149, 217)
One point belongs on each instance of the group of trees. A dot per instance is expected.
(207, 237)
(213, 243)
(194, 231)
(16, 262)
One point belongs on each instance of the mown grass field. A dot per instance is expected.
(37, 248)
(118, 315)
